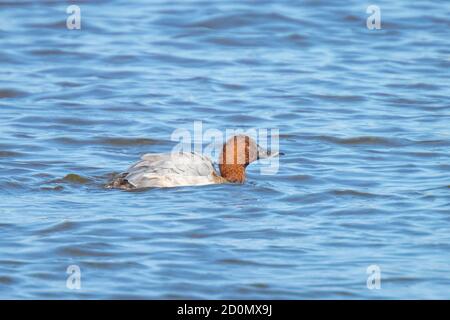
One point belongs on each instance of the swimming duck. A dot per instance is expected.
(191, 168)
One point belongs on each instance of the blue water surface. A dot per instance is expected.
(363, 118)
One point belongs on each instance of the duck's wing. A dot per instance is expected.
(186, 163)
(168, 169)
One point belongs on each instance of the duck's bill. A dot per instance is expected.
(264, 154)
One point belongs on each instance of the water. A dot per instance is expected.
(363, 117)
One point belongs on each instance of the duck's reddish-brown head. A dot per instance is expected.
(237, 153)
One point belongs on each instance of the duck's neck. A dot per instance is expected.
(233, 172)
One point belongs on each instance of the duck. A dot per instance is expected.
(177, 169)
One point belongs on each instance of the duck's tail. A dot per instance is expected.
(120, 182)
